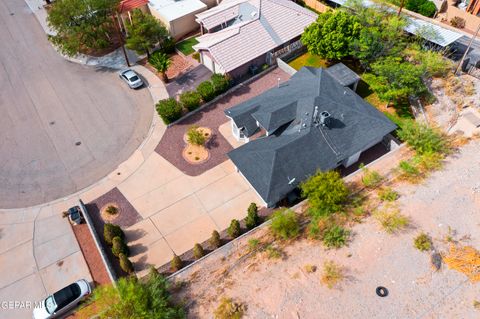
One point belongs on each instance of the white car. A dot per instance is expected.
(131, 78)
(62, 301)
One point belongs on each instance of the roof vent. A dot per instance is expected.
(253, 14)
(325, 118)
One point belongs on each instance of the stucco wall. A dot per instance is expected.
(179, 27)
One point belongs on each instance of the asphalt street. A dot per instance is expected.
(63, 126)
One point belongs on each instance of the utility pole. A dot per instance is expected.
(120, 36)
(468, 48)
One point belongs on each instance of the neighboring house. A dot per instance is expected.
(312, 122)
(179, 15)
(243, 35)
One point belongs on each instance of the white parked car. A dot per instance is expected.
(62, 301)
(131, 78)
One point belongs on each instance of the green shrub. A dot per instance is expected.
(391, 220)
(110, 231)
(285, 224)
(423, 242)
(190, 100)
(206, 91)
(370, 179)
(424, 7)
(111, 210)
(176, 263)
(422, 138)
(273, 252)
(198, 251)
(332, 274)
(335, 237)
(119, 247)
(228, 309)
(458, 22)
(220, 83)
(253, 244)
(125, 264)
(326, 192)
(252, 219)
(408, 170)
(195, 137)
(234, 229)
(168, 45)
(387, 194)
(215, 240)
(169, 110)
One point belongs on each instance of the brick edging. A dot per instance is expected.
(96, 239)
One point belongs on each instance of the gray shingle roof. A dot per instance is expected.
(274, 165)
(343, 74)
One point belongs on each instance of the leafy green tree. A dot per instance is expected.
(161, 62)
(144, 31)
(132, 298)
(326, 192)
(330, 36)
(432, 63)
(394, 79)
(285, 224)
(425, 7)
(381, 33)
(80, 25)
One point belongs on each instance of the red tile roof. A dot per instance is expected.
(128, 5)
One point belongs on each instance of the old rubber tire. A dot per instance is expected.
(381, 291)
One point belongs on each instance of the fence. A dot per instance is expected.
(316, 5)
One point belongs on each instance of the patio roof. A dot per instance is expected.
(128, 5)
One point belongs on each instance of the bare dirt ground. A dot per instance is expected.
(448, 203)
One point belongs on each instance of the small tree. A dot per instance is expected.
(125, 264)
(332, 34)
(161, 62)
(195, 137)
(119, 247)
(215, 240)
(422, 138)
(206, 91)
(326, 192)
(169, 110)
(144, 31)
(190, 100)
(176, 263)
(198, 251)
(285, 224)
(234, 229)
(111, 231)
(252, 219)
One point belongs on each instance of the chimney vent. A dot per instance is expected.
(325, 118)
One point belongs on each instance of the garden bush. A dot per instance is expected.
(332, 274)
(421, 138)
(423, 242)
(391, 220)
(387, 194)
(220, 83)
(176, 263)
(195, 137)
(169, 110)
(125, 264)
(119, 247)
(252, 219)
(285, 224)
(273, 252)
(234, 229)
(168, 45)
(425, 7)
(409, 171)
(198, 251)
(458, 22)
(111, 231)
(206, 91)
(228, 309)
(111, 210)
(370, 178)
(190, 100)
(215, 240)
(326, 192)
(335, 237)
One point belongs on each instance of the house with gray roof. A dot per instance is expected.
(314, 121)
(241, 35)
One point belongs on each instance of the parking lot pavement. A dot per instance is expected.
(38, 256)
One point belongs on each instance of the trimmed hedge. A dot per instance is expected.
(220, 83)
(215, 240)
(198, 251)
(169, 110)
(206, 91)
(176, 263)
(190, 100)
(234, 229)
(111, 231)
(125, 264)
(119, 247)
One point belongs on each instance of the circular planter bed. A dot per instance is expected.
(110, 214)
(197, 154)
(207, 132)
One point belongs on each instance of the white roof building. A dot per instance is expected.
(245, 31)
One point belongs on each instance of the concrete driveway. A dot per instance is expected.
(64, 126)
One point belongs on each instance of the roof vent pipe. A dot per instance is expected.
(325, 118)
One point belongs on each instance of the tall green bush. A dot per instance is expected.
(125, 264)
(422, 138)
(234, 229)
(285, 224)
(119, 247)
(206, 91)
(169, 110)
(252, 219)
(111, 231)
(220, 83)
(198, 251)
(215, 240)
(190, 100)
(335, 237)
(176, 263)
